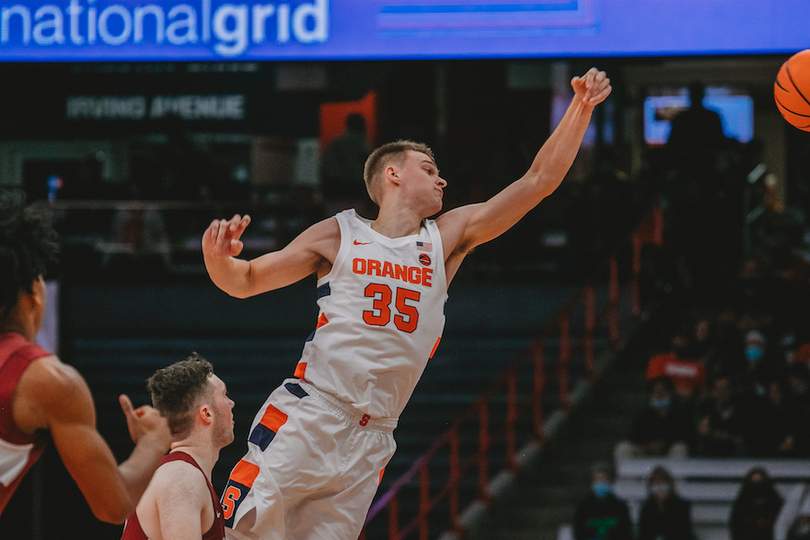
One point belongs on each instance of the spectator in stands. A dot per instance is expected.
(342, 164)
(662, 428)
(791, 273)
(721, 421)
(695, 145)
(697, 135)
(750, 358)
(664, 514)
(754, 347)
(727, 343)
(688, 375)
(774, 436)
(703, 336)
(797, 406)
(793, 522)
(802, 354)
(759, 366)
(139, 243)
(601, 515)
(756, 507)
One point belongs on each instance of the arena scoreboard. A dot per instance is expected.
(300, 30)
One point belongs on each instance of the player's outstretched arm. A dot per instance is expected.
(53, 396)
(468, 226)
(312, 251)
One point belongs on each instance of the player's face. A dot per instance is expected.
(223, 412)
(422, 177)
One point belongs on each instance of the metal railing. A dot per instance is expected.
(518, 397)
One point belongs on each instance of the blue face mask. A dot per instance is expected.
(602, 489)
(753, 354)
(662, 403)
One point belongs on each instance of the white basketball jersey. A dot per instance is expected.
(381, 317)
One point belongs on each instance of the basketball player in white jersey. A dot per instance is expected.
(319, 444)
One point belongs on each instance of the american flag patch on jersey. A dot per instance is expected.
(424, 246)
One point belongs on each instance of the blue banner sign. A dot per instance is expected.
(208, 30)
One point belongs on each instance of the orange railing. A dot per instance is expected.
(522, 389)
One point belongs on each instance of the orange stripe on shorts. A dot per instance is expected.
(245, 473)
(273, 419)
(435, 346)
(322, 320)
(300, 370)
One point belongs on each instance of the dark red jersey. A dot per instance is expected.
(132, 528)
(18, 450)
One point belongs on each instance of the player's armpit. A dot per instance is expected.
(469, 226)
(64, 405)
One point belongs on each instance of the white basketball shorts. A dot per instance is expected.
(311, 471)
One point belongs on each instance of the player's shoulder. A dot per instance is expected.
(325, 226)
(179, 478)
(180, 470)
(49, 377)
(324, 232)
(50, 390)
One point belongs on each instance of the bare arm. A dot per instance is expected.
(53, 396)
(313, 251)
(469, 226)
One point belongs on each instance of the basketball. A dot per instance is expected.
(791, 90)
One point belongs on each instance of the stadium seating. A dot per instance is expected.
(711, 485)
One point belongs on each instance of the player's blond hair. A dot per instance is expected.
(380, 158)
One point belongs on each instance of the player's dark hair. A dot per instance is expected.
(28, 245)
(379, 159)
(178, 389)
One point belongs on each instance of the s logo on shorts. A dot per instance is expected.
(237, 488)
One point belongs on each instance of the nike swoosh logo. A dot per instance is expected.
(356, 243)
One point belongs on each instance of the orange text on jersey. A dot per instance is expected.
(409, 274)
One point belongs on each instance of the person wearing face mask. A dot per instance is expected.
(756, 507)
(662, 428)
(754, 346)
(758, 362)
(664, 514)
(601, 515)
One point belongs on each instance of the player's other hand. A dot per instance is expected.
(222, 238)
(593, 87)
(145, 421)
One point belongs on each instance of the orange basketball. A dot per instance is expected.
(791, 91)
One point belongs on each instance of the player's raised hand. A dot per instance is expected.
(222, 238)
(145, 421)
(593, 87)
